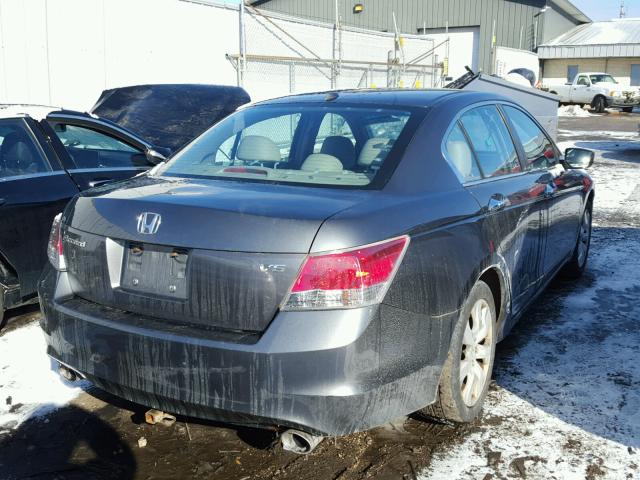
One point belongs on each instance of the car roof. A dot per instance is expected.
(421, 98)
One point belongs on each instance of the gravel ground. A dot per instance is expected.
(564, 404)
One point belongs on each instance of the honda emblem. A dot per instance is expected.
(149, 223)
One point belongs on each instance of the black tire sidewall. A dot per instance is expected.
(599, 104)
(1, 308)
(480, 291)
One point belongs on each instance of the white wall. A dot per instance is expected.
(96, 44)
(555, 71)
(65, 52)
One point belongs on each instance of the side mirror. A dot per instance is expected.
(579, 157)
(154, 156)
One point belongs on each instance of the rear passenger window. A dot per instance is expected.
(538, 148)
(19, 153)
(491, 141)
(460, 156)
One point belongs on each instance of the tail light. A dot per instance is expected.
(347, 279)
(55, 251)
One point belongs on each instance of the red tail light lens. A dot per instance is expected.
(347, 279)
(55, 251)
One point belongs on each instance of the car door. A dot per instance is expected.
(515, 215)
(96, 152)
(581, 90)
(563, 189)
(33, 189)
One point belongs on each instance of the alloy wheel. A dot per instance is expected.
(584, 238)
(476, 352)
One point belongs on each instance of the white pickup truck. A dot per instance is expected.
(600, 90)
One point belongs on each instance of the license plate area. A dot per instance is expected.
(155, 270)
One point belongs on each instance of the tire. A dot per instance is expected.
(578, 262)
(599, 104)
(460, 400)
(1, 309)
(627, 109)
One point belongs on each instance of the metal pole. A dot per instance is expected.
(493, 48)
(292, 77)
(446, 74)
(243, 54)
(337, 47)
(521, 32)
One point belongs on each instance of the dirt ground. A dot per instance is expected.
(97, 435)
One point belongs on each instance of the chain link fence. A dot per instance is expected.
(283, 55)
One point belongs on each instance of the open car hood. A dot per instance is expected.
(171, 115)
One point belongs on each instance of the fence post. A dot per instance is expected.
(292, 77)
(242, 58)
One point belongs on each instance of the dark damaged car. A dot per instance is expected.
(320, 263)
(48, 155)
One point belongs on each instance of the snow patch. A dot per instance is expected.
(572, 111)
(29, 383)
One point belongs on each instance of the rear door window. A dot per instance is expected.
(90, 148)
(19, 152)
(460, 156)
(491, 141)
(538, 149)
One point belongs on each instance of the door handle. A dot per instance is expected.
(97, 183)
(497, 202)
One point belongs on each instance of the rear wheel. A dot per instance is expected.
(1, 308)
(466, 375)
(578, 263)
(599, 104)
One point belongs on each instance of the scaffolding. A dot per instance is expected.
(280, 55)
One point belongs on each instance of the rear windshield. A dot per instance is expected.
(307, 144)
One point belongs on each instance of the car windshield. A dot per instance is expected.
(330, 145)
(602, 79)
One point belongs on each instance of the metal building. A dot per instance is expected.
(521, 24)
(612, 47)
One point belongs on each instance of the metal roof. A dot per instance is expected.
(571, 10)
(614, 38)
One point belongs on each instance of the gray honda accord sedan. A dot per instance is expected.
(321, 263)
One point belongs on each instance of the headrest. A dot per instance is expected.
(256, 148)
(341, 148)
(15, 153)
(372, 150)
(321, 162)
(461, 157)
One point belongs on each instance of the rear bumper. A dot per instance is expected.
(329, 373)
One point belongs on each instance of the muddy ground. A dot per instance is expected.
(97, 435)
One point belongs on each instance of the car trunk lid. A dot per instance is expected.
(223, 255)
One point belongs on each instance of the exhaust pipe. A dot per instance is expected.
(299, 442)
(68, 374)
